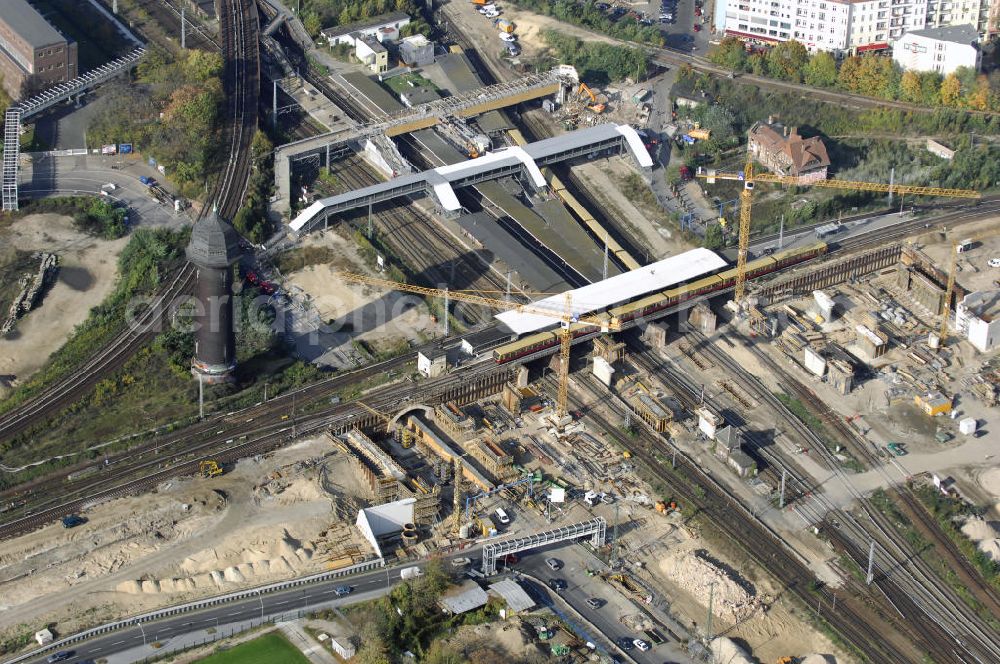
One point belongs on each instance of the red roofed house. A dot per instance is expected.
(782, 151)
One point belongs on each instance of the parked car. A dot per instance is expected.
(594, 603)
(502, 516)
(640, 644)
(558, 585)
(148, 181)
(460, 562)
(507, 37)
(697, 27)
(626, 643)
(896, 449)
(553, 563)
(72, 521)
(60, 656)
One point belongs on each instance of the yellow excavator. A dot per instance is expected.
(210, 468)
(595, 106)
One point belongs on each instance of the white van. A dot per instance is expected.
(502, 516)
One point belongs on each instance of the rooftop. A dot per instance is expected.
(214, 243)
(367, 24)
(512, 592)
(466, 597)
(28, 23)
(984, 305)
(802, 154)
(958, 34)
(621, 288)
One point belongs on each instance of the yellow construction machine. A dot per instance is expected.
(209, 468)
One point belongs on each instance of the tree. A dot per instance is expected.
(713, 237)
(909, 87)
(757, 63)
(787, 60)
(821, 70)
(730, 53)
(979, 98)
(877, 77)
(201, 66)
(312, 23)
(849, 76)
(439, 653)
(951, 90)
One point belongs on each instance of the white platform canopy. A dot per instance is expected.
(620, 288)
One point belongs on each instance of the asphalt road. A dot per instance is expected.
(580, 588)
(363, 586)
(253, 608)
(86, 174)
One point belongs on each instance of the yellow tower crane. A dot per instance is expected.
(566, 319)
(750, 178)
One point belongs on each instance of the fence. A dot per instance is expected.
(197, 605)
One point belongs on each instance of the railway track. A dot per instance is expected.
(249, 431)
(239, 25)
(948, 627)
(692, 486)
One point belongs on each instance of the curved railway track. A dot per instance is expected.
(239, 27)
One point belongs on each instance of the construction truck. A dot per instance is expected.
(700, 134)
(408, 573)
(209, 468)
(503, 25)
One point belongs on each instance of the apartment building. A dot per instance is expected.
(33, 54)
(844, 26)
(941, 50)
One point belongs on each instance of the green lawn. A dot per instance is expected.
(272, 648)
(400, 84)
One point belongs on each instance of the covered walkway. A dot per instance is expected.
(441, 182)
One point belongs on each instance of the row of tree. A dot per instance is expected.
(320, 14)
(871, 75)
(597, 62)
(588, 15)
(172, 114)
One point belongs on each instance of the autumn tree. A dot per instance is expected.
(730, 53)
(787, 60)
(821, 70)
(979, 98)
(909, 87)
(951, 90)
(849, 76)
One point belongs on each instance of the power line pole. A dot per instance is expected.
(871, 564)
(784, 473)
(604, 270)
(781, 233)
(274, 102)
(892, 181)
(711, 602)
(614, 541)
(506, 294)
(446, 321)
(183, 29)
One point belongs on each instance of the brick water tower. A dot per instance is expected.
(213, 249)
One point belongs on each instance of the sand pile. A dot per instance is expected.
(725, 651)
(732, 597)
(220, 568)
(986, 536)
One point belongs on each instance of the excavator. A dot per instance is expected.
(210, 468)
(595, 106)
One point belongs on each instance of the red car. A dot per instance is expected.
(697, 27)
(697, 11)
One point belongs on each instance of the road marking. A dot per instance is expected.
(117, 643)
(284, 601)
(234, 613)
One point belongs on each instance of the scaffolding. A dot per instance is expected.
(596, 528)
(11, 155)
